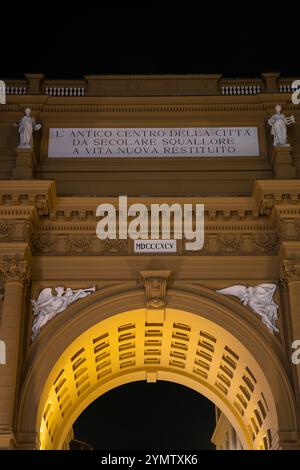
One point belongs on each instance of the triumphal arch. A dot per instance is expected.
(81, 314)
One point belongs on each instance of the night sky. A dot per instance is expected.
(243, 39)
(141, 416)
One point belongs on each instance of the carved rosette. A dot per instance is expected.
(290, 270)
(155, 283)
(79, 243)
(266, 243)
(15, 271)
(115, 246)
(229, 243)
(43, 243)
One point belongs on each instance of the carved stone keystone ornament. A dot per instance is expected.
(155, 283)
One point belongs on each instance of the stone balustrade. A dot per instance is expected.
(188, 85)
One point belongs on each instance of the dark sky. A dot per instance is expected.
(141, 416)
(243, 39)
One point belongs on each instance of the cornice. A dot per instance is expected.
(152, 108)
(78, 243)
(270, 193)
(31, 212)
(60, 108)
(147, 105)
(17, 195)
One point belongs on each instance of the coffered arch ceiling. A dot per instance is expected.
(177, 345)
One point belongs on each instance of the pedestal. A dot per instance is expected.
(25, 160)
(282, 161)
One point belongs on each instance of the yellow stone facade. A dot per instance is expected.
(197, 337)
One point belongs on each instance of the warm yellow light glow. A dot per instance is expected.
(182, 347)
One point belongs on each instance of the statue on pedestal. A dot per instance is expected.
(26, 127)
(279, 125)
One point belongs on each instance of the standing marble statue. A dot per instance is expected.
(259, 299)
(48, 305)
(26, 127)
(279, 123)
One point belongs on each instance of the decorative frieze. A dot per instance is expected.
(117, 108)
(270, 200)
(47, 243)
(266, 243)
(79, 243)
(239, 244)
(233, 225)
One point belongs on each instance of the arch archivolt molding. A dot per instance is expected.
(199, 339)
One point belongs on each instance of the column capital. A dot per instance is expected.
(13, 270)
(290, 270)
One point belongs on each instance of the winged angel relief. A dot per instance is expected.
(51, 302)
(259, 299)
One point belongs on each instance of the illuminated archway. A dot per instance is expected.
(211, 345)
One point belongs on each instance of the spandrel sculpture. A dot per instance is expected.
(48, 304)
(259, 299)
